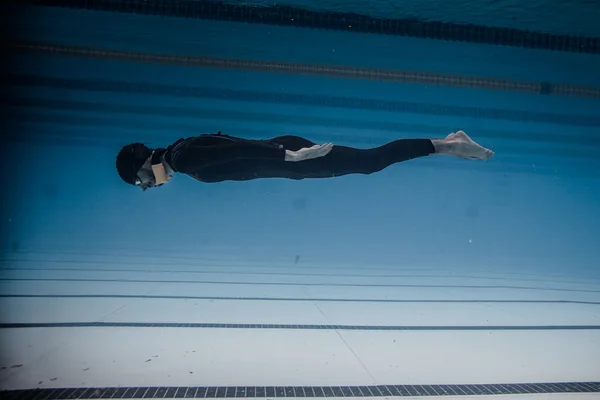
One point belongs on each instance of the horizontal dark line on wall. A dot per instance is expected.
(257, 283)
(331, 71)
(290, 299)
(113, 86)
(248, 271)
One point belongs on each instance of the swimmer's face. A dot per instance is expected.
(145, 177)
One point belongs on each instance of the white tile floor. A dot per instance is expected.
(109, 356)
(181, 356)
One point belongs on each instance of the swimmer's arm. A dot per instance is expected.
(308, 153)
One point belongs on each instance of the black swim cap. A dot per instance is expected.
(130, 159)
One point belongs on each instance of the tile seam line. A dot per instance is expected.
(331, 71)
(303, 327)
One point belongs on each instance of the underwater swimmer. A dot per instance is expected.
(217, 158)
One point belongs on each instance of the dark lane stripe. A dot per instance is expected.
(294, 299)
(216, 325)
(255, 283)
(113, 86)
(341, 21)
(382, 75)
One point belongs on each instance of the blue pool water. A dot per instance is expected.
(436, 241)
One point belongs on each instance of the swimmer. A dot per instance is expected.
(217, 157)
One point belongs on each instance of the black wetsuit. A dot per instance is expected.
(217, 158)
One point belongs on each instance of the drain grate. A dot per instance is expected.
(301, 391)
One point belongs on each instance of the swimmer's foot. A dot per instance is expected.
(462, 146)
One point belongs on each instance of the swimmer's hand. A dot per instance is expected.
(308, 153)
